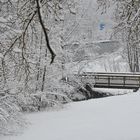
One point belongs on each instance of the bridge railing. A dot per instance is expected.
(112, 80)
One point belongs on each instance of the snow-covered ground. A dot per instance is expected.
(111, 118)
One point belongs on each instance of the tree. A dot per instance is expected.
(29, 41)
(127, 14)
(27, 29)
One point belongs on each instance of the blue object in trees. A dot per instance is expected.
(102, 26)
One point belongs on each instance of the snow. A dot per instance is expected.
(17, 50)
(1, 55)
(112, 118)
(2, 19)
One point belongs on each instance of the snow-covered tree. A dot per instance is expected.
(30, 39)
(127, 27)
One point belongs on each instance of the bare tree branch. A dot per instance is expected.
(45, 33)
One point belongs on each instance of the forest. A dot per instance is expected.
(45, 43)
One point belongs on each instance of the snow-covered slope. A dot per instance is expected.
(112, 118)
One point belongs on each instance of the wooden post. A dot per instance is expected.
(108, 81)
(139, 81)
(124, 81)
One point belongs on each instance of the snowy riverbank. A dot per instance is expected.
(111, 118)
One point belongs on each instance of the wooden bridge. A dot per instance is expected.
(112, 80)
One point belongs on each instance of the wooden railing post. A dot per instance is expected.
(139, 81)
(124, 81)
(108, 81)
